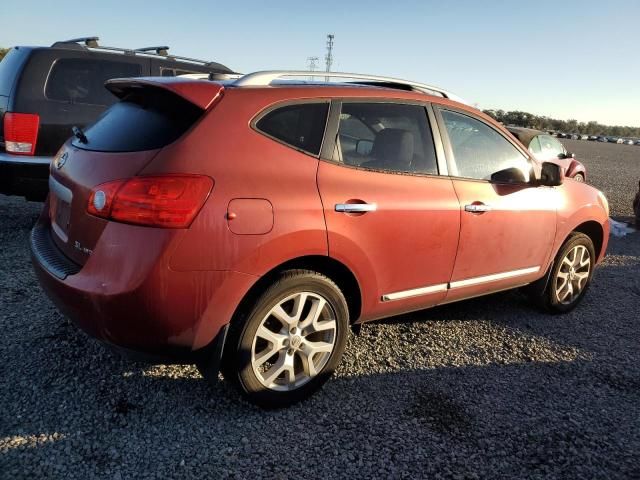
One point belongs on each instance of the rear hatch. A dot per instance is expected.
(150, 115)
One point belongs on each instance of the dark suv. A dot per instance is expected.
(45, 91)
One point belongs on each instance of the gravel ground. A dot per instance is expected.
(487, 388)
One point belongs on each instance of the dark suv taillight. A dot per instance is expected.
(21, 132)
(169, 201)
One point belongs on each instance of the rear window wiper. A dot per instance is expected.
(79, 134)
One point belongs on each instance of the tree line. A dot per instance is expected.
(524, 119)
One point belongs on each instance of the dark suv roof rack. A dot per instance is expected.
(164, 50)
(160, 51)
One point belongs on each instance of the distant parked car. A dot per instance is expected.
(628, 142)
(620, 141)
(584, 137)
(637, 142)
(592, 138)
(603, 139)
(573, 136)
(612, 139)
(46, 91)
(560, 135)
(547, 149)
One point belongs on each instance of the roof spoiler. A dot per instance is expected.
(201, 94)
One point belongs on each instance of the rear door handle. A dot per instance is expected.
(356, 207)
(477, 208)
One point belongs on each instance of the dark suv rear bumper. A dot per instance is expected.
(24, 176)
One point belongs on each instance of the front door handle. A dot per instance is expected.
(356, 207)
(477, 208)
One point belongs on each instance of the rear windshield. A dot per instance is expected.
(10, 67)
(79, 80)
(147, 119)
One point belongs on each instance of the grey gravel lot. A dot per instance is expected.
(488, 388)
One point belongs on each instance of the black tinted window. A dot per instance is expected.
(386, 136)
(78, 80)
(301, 125)
(479, 150)
(10, 66)
(144, 120)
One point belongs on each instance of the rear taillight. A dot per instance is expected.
(21, 132)
(169, 201)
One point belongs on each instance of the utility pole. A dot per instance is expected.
(328, 59)
(313, 64)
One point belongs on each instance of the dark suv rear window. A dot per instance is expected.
(10, 67)
(144, 120)
(300, 126)
(78, 80)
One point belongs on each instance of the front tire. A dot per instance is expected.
(290, 341)
(579, 178)
(569, 278)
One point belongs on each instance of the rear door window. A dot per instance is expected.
(300, 126)
(77, 80)
(386, 136)
(144, 120)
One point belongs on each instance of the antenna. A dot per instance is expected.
(328, 59)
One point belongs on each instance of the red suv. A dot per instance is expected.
(250, 224)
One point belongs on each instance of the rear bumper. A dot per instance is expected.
(24, 176)
(127, 296)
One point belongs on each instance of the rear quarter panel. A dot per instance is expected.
(245, 165)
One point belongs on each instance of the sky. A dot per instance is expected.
(562, 59)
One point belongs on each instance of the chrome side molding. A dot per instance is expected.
(415, 292)
(443, 287)
(493, 278)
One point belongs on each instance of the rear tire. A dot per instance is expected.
(289, 342)
(565, 286)
(579, 178)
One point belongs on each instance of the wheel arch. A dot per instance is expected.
(325, 265)
(595, 232)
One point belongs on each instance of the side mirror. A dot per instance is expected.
(364, 147)
(551, 175)
(509, 175)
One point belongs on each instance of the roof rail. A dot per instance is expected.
(91, 42)
(161, 51)
(265, 78)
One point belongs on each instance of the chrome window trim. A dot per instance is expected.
(441, 158)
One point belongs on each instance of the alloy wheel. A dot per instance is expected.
(573, 274)
(294, 341)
